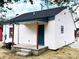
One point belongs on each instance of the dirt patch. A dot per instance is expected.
(65, 53)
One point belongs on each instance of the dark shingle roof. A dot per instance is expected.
(37, 16)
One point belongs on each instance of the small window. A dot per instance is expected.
(62, 29)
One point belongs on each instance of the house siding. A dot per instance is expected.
(26, 35)
(50, 34)
(64, 19)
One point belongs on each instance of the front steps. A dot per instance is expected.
(23, 54)
(25, 50)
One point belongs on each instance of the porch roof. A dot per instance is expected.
(38, 16)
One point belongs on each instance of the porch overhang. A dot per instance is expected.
(37, 17)
(32, 21)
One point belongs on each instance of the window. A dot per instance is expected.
(62, 29)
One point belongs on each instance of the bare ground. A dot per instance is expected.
(65, 53)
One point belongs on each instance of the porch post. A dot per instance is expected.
(13, 35)
(37, 37)
(18, 33)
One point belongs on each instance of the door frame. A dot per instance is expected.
(41, 35)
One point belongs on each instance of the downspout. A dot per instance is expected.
(74, 25)
(73, 21)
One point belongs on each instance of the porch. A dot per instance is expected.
(27, 48)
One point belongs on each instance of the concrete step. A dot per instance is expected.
(25, 50)
(23, 54)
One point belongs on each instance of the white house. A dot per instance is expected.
(53, 28)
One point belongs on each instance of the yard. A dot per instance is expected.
(65, 53)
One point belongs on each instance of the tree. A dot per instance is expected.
(31, 1)
(16, 0)
(1, 3)
(11, 0)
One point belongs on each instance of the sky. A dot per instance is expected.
(22, 7)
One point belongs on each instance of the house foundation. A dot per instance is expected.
(26, 48)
